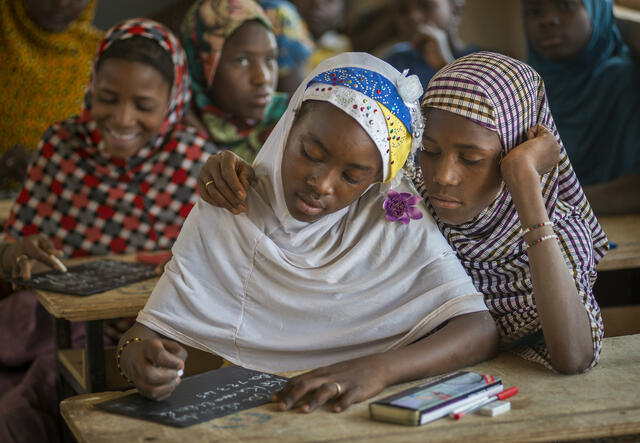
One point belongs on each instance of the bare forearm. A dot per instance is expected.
(564, 320)
(626, 191)
(463, 341)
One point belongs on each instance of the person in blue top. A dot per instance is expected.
(593, 85)
(430, 32)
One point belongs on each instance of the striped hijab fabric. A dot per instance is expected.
(508, 97)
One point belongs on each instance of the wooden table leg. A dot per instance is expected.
(62, 339)
(62, 330)
(94, 354)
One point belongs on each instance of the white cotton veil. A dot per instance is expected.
(269, 292)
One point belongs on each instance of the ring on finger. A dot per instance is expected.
(206, 185)
(338, 388)
(21, 258)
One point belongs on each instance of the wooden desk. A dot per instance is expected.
(603, 402)
(624, 230)
(85, 370)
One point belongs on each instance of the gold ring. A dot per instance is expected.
(339, 388)
(21, 257)
(206, 185)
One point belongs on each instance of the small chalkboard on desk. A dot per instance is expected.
(90, 278)
(202, 397)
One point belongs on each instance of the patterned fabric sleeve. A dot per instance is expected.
(582, 263)
(523, 325)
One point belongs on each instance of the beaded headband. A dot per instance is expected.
(378, 106)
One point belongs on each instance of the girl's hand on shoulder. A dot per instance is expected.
(540, 153)
(153, 366)
(224, 180)
(34, 247)
(357, 379)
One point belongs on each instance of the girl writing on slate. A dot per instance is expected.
(232, 54)
(592, 83)
(119, 178)
(531, 244)
(322, 272)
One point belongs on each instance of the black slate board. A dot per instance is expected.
(202, 397)
(90, 278)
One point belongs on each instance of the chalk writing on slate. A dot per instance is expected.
(90, 278)
(202, 397)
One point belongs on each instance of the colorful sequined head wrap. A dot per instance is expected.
(387, 110)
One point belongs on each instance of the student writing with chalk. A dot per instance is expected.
(498, 182)
(332, 268)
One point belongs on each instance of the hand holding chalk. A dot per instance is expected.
(156, 366)
(61, 267)
(19, 257)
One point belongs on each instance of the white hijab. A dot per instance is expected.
(268, 292)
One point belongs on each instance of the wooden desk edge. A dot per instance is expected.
(66, 407)
(96, 314)
(618, 263)
(537, 430)
(609, 419)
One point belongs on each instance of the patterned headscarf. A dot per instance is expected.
(89, 203)
(508, 97)
(43, 74)
(295, 43)
(206, 27)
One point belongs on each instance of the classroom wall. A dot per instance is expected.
(495, 25)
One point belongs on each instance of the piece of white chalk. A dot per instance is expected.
(180, 372)
(61, 265)
(495, 408)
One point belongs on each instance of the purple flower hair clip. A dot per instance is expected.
(402, 207)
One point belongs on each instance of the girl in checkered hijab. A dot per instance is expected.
(120, 177)
(497, 179)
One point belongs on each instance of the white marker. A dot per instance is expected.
(59, 264)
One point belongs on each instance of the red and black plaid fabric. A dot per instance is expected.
(89, 203)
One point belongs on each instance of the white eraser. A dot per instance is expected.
(495, 408)
(180, 372)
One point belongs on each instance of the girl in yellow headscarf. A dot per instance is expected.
(46, 54)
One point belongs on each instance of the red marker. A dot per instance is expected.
(501, 396)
